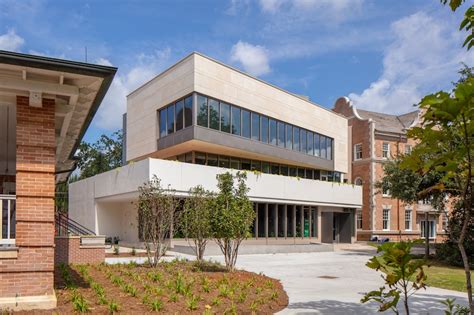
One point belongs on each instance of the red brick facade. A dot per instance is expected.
(35, 182)
(369, 170)
(69, 250)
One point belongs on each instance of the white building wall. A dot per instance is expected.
(204, 75)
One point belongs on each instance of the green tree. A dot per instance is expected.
(402, 273)
(102, 156)
(446, 146)
(156, 216)
(232, 215)
(467, 23)
(196, 219)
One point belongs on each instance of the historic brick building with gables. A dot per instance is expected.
(374, 139)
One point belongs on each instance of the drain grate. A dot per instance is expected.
(328, 277)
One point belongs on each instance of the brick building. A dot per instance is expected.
(375, 138)
(46, 106)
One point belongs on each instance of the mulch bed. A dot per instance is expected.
(171, 288)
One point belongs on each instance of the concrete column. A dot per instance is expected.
(256, 220)
(276, 219)
(266, 220)
(285, 219)
(319, 224)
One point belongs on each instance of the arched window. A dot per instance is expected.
(358, 181)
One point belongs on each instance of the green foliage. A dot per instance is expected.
(156, 305)
(467, 23)
(455, 309)
(103, 155)
(232, 215)
(403, 275)
(79, 303)
(156, 216)
(113, 307)
(192, 302)
(196, 219)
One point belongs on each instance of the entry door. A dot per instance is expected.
(327, 226)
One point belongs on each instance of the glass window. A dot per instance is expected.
(188, 158)
(281, 134)
(273, 132)
(235, 163)
(408, 149)
(428, 227)
(323, 146)
(329, 148)
(224, 161)
(284, 170)
(385, 150)
(236, 120)
(337, 177)
(256, 166)
(200, 158)
(359, 220)
(170, 119)
(202, 111)
(212, 160)
(358, 151)
(245, 123)
(225, 117)
(265, 167)
(293, 171)
(188, 111)
(213, 114)
(181, 158)
(246, 165)
(275, 169)
(303, 141)
(163, 126)
(317, 152)
(289, 136)
(255, 126)
(408, 219)
(386, 219)
(179, 115)
(300, 172)
(317, 174)
(309, 144)
(296, 138)
(264, 129)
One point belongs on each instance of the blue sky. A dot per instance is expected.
(385, 55)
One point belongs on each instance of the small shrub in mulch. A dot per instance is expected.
(171, 287)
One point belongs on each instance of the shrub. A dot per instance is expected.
(216, 301)
(79, 303)
(192, 302)
(113, 307)
(156, 305)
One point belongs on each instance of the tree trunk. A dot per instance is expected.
(427, 238)
(467, 209)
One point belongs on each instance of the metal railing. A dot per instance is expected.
(67, 226)
(8, 219)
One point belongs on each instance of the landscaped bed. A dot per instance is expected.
(172, 287)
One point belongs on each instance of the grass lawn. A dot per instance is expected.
(175, 287)
(446, 277)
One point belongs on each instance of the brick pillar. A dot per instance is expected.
(31, 273)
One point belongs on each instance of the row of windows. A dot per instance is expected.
(176, 116)
(238, 121)
(385, 150)
(386, 219)
(261, 166)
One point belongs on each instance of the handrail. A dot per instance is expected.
(65, 224)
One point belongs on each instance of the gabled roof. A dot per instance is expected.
(390, 123)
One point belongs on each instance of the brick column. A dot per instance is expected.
(32, 272)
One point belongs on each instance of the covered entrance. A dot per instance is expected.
(337, 227)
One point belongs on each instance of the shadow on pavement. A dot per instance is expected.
(418, 305)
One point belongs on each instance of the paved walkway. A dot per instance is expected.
(334, 282)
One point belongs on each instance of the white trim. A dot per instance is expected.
(355, 151)
(388, 150)
(411, 219)
(388, 209)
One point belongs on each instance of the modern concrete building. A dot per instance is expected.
(46, 106)
(200, 118)
(375, 138)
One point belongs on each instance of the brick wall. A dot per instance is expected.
(69, 250)
(31, 272)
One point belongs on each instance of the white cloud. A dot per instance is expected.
(253, 58)
(11, 41)
(270, 6)
(424, 57)
(114, 105)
